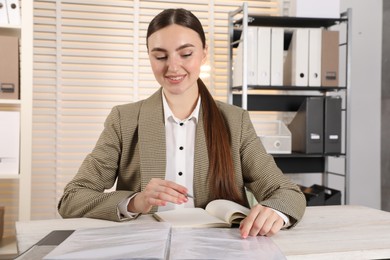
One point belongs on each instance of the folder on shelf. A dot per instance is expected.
(251, 60)
(330, 59)
(307, 127)
(9, 142)
(13, 11)
(3, 13)
(297, 60)
(9, 67)
(277, 56)
(263, 56)
(332, 125)
(315, 35)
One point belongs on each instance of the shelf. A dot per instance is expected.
(285, 21)
(301, 164)
(297, 88)
(261, 102)
(10, 102)
(10, 26)
(9, 176)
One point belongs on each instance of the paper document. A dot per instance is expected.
(132, 241)
(221, 243)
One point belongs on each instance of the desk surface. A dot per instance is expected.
(325, 232)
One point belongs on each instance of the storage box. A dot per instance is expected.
(318, 195)
(315, 8)
(313, 197)
(9, 67)
(9, 142)
(275, 136)
(332, 196)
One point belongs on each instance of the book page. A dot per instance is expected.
(227, 210)
(190, 217)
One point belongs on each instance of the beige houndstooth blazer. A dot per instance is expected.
(131, 149)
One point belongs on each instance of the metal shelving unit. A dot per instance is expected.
(238, 22)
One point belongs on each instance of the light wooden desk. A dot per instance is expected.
(325, 232)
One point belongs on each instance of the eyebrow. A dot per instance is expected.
(178, 49)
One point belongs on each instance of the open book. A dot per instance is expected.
(218, 213)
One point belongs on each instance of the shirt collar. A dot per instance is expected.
(168, 112)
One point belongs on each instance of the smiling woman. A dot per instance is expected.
(181, 141)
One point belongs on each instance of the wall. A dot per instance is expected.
(385, 136)
(365, 105)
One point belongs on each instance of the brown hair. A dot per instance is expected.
(221, 169)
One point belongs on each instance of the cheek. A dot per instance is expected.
(194, 65)
(156, 67)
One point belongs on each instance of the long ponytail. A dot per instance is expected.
(221, 168)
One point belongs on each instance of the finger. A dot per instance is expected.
(169, 195)
(247, 223)
(275, 227)
(181, 190)
(166, 190)
(267, 224)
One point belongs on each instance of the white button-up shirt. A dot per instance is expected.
(180, 147)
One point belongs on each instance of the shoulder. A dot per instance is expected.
(131, 110)
(230, 112)
(128, 110)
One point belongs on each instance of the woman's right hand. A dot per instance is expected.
(157, 193)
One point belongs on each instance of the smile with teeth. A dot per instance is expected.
(175, 78)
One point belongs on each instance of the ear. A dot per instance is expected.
(205, 53)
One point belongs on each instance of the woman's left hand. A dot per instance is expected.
(261, 221)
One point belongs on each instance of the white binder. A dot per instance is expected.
(277, 53)
(297, 60)
(264, 56)
(13, 10)
(252, 55)
(3, 13)
(315, 49)
(251, 60)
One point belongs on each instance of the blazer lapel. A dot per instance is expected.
(201, 165)
(152, 139)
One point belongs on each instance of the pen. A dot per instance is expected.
(190, 196)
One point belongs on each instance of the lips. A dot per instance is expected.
(175, 79)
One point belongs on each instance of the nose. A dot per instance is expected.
(173, 63)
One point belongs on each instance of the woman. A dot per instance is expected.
(180, 141)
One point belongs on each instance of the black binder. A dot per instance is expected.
(332, 127)
(307, 127)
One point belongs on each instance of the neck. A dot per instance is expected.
(182, 105)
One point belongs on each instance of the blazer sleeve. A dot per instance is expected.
(264, 179)
(84, 196)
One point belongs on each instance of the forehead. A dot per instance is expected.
(174, 36)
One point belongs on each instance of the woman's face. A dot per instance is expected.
(176, 55)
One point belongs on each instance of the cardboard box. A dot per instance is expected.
(9, 67)
(315, 8)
